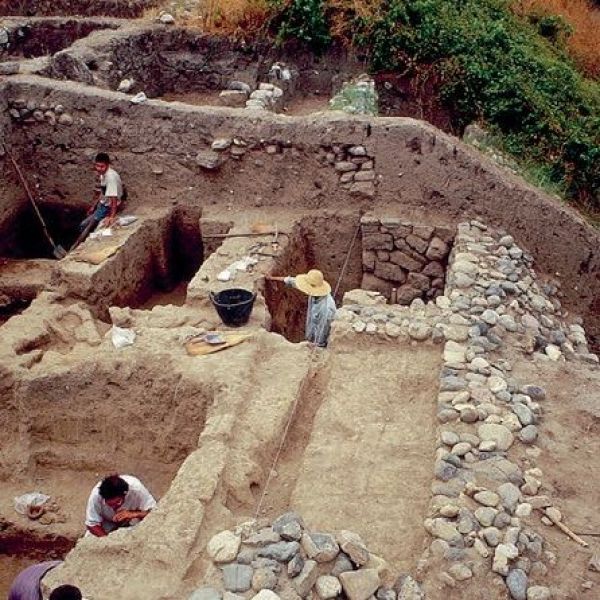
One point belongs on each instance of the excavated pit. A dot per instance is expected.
(30, 38)
(26, 239)
(20, 549)
(185, 253)
(143, 419)
(112, 8)
(399, 259)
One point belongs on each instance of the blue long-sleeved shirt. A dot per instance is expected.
(320, 314)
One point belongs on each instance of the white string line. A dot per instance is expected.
(304, 384)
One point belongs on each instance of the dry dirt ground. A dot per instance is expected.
(570, 460)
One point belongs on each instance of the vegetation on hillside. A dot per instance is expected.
(504, 63)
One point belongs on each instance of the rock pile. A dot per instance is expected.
(267, 97)
(355, 167)
(482, 497)
(29, 111)
(406, 257)
(286, 560)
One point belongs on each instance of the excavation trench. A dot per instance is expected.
(30, 38)
(63, 433)
(383, 255)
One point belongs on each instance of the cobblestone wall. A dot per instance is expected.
(404, 261)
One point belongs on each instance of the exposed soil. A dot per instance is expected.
(569, 460)
(368, 462)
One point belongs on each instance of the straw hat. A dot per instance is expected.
(313, 283)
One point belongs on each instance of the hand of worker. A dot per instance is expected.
(125, 515)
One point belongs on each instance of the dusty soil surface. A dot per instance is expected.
(367, 466)
(306, 105)
(569, 459)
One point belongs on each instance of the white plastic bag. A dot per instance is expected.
(31, 503)
(126, 220)
(122, 337)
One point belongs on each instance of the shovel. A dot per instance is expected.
(57, 250)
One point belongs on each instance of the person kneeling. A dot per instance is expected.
(117, 501)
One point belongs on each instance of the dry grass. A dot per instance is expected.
(584, 43)
(237, 17)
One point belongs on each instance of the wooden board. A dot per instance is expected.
(200, 348)
(95, 257)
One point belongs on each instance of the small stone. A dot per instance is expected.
(353, 546)
(288, 525)
(449, 438)
(492, 536)
(167, 19)
(342, 564)
(206, 593)
(486, 515)
(461, 448)
(65, 119)
(489, 316)
(419, 331)
(529, 434)
(538, 592)
(408, 589)
(481, 548)
(496, 433)
(237, 578)
(469, 414)
(385, 594)
(523, 510)
(449, 511)
(360, 585)
(223, 547)
(265, 595)
(535, 392)
(282, 551)
(497, 384)
(460, 572)
(295, 566)
(209, 160)
(444, 530)
(321, 547)
(126, 85)
(263, 537)
(328, 587)
(487, 498)
(264, 579)
(510, 496)
(221, 144)
(516, 581)
(307, 578)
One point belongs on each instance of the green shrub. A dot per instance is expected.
(496, 68)
(302, 20)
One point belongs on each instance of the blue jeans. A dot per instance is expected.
(102, 211)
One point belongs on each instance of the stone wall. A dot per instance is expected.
(406, 257)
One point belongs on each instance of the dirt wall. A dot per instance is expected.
(418, 169)
(40, 37)
(114, 8)
(12, 199)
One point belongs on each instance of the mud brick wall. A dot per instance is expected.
(408, 257)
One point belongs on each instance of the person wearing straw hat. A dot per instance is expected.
(321, 305)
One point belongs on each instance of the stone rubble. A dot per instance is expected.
(322, 565)
(483, 500)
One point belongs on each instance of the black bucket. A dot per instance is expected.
(233, 306)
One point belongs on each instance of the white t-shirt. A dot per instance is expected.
(136, 498)
(111, 186)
